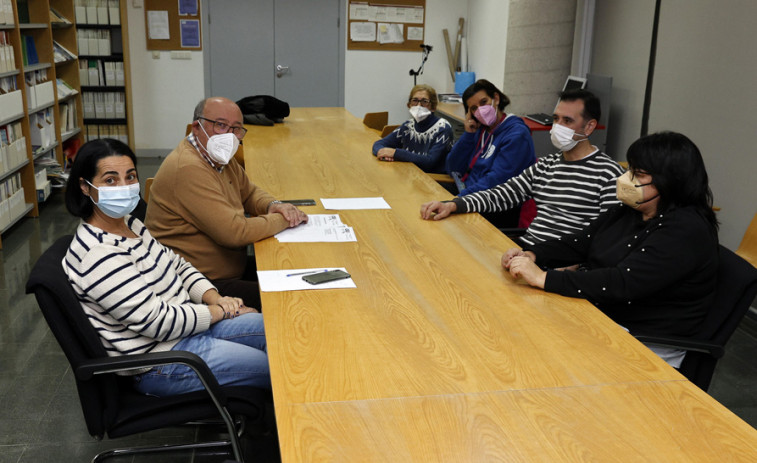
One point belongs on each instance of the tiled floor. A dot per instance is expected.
(40, 418)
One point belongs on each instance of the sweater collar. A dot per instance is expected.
(193, 141)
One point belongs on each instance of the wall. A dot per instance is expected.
(622, 34)
(539, 51)
(704, 87)
(164, 91)
(486, 31)
(380, 80)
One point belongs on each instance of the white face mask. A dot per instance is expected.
(116, 201)
(562, 137)
(419, 113)
(221, 147)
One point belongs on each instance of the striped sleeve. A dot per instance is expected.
(123, 293)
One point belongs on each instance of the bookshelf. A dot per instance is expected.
(103, 43)
(40, 103)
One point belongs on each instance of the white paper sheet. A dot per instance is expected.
(390, 33)
(363, 32)
(320, 228)
(354, 203)
(157, 25)
(415, 33)
(277, 280)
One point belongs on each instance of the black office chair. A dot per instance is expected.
(736, 289)
(110, 404)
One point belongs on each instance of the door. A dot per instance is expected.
(247, 40)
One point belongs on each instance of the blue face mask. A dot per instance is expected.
(116, 201)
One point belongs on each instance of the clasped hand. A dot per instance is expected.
(293, 215)
(522, 265)
(386, 154)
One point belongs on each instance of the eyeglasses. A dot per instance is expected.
(423, 102)
(222, 127)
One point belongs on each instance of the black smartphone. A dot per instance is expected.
(324, 277)
(300, 202)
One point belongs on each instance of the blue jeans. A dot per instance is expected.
(235, 351)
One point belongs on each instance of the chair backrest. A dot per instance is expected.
(748, 247)
(376, 120)
(148, 184)
(736, 289)
(76, 336)
(388, 129)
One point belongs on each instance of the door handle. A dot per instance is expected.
(281, 70)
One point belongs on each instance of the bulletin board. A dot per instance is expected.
(173, 25)
(393, 25)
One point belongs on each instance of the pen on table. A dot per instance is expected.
(305, 273)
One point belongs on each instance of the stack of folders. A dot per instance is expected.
(7, 58)
(117, 131)
(56, 17)
(12, 203)
(64, 89)
(29, 50)
(97, 12)
(42, 128)
(98, 73)
(12, 147)
(104, 105)
(67, 116)
(6, 12)
(62, 54)
(93, 42)
(39, 90)
(11, 103)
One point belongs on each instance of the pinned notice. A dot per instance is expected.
(363, 32)
(157, 25)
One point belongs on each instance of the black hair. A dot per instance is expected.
(677, 171)
(489, 88)
(85, 167)
(592, 108)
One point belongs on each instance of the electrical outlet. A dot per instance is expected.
(181, 55)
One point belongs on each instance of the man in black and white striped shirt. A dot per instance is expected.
(570, 188)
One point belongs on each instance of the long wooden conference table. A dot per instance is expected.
(439, 355)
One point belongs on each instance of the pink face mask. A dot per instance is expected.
(486, 115)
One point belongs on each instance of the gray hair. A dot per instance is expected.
(199, 109)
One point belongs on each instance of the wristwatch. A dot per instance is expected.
(275, 201)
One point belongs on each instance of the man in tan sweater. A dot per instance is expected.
(199, 198)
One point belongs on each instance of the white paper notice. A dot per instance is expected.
(291, 280)
(414, 15)
(355, 203)
(320, 228)
(390, 33)
(363, 32)
(415, 33)
(157, 25)
(360, 11)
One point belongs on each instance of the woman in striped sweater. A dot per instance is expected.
(139, 295)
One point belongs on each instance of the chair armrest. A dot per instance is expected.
(441, 178)
(513, 232)
(87, 369)
(676, 342)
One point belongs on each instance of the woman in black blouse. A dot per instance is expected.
(650, 263)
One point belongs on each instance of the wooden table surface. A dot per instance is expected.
(435, 327)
